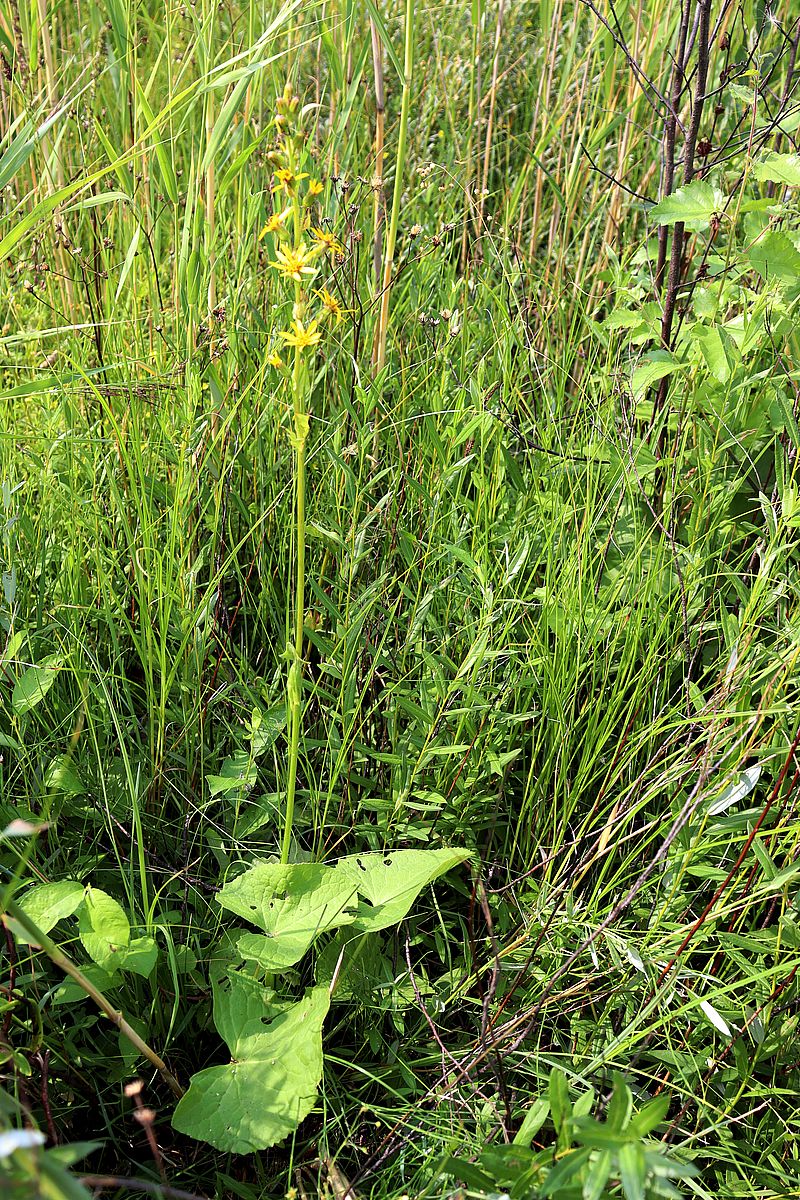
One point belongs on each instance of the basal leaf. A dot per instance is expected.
(242, 1002)
(694, 205)
(139, 956)
(49, 903)
(261, 1097)
(104, 929)
(391, 882)
(292, 904)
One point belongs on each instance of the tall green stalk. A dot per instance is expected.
(294, 690)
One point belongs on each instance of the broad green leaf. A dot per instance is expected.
(49, 903)
(237, 774)
(558, 1095)
(391, 882)
(693, 205)
(265, 728)
(566, 1168)
(139, 956)
(624, 318)
(292, 904)
(258, 813)
(778, 168)
(776, 257)
(779, 880)
(260, 1098)
(718, 351)
(649, 1116)
(104, 929)
(33, 685)
(654, 366)
(242, 1002)
(61, 776)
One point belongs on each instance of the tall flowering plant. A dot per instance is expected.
(300, 249)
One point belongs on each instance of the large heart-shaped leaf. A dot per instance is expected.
(391, 882)
(262, 1096)
(49, 903)
(292, 904)
(243, 1004)
(103, 928)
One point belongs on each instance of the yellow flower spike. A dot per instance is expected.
(301, 335)
(331, 305)
(294, 264)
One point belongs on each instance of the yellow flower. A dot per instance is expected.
(327, 242)
(331, 305)
(302, 335)
(288, 180)
(294, 264)
(276, 222)
(274, 359)
(314, 187)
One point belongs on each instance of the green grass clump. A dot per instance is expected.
(493, 563)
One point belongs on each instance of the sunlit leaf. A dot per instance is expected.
(693, 205)
(262, 1096)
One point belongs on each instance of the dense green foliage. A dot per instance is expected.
(453, 646)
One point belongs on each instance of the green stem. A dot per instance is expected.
(294, 690)
(60, 959)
